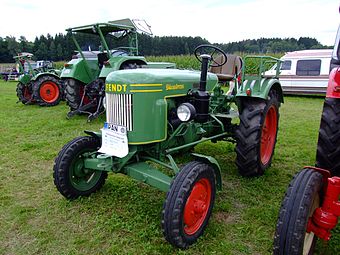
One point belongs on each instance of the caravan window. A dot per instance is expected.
(308, 67)
(286, 65)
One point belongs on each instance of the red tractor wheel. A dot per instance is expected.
(47, 90)
(256, 134)
(299, 204)
(24, 92)
(188, 204)
(268, 136)
(328, 148)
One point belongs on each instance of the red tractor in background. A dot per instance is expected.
(311, 206)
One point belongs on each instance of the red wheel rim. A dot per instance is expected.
(86, 100)
(268, 135)
(197, 206)
(49, 92)
(27, 94)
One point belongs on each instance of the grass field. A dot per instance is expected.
(124, 216)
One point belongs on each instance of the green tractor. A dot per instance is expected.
(85, 75)
(40, 84)
(152, 115)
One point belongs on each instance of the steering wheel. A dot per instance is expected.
(211, 50)
(119, 52)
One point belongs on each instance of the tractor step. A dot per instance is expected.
(232, 114)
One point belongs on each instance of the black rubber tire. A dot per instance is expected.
(173, 208)
(73, 93)
(328, 148)
(63, 163)
(303, 196)
(249, 132)
(36, 90)
(21, 92)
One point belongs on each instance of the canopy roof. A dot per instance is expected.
(109, 27)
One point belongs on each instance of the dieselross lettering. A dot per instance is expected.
(174, 87)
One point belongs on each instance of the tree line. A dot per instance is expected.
(61, 47)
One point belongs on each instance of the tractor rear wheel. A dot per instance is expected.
(47, 90)
(24, 92)
(328, 149)
(301, 200)
(188, 204)
(74, 91)
(256, 134)
(71, 178)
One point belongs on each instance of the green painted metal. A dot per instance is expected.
(257, 81)
(154, 95)
(144, 172)
(87, 70)
(213, 162)
(81, 69)
(151, 90)
(33, 73)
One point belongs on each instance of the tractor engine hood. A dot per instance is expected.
(164, 81)
(138, 99)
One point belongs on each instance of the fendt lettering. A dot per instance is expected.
(110, 87)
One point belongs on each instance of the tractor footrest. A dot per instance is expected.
(146, 173)
(230, 115)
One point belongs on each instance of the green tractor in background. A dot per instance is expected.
(39, 84)
(85, 75)
(154, 114)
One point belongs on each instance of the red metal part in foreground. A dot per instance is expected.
(325, 218)
(333, 89)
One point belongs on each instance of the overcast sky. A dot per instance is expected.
(219, 21)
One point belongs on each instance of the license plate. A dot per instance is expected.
(114, 140)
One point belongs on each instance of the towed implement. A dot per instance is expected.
(40, 85)
(154, 114)
(85, 75)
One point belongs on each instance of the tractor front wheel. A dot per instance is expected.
(299, 204)
(256, 134)
(71, 178)
(47, 90)
(24, 92)
(328, 149)
(188, 204)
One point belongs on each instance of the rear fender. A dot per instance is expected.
(213, 162)
(260, 88)
(45, 73)
(82, 70)
(333, 89)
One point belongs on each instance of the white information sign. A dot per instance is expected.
(114, 140)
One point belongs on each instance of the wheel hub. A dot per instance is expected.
(49, 92)
(197, 206)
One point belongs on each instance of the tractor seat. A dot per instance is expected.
(229, 70)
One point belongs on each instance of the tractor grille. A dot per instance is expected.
(119, 110)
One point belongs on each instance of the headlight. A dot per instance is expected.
(186, 112)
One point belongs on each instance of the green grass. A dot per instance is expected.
(124, 217)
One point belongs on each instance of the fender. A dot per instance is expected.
(213, 162)
(45, 73)
(333, 89)
(93, 134)
(260, 88)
